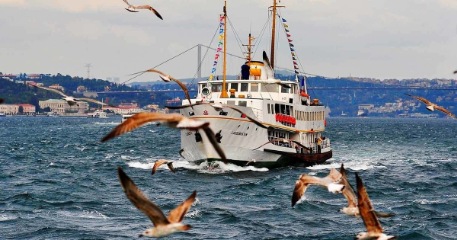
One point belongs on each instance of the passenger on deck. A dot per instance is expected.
(245, 72)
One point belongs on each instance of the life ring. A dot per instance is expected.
(303, 94)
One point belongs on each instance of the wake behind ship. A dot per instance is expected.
(295, 122)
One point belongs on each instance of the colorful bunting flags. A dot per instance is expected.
(291, 45)
(219, 46)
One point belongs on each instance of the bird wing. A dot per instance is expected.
(140, 119)
(250, 118)
(176, 215)
(127, 2)
(333, 176)
(268, 68)
(157, 164)
(444, 110)
(184, 88)
(301, 145)
(91, 100)
(348, 191)
(211, 137)
(427, 102)
(149, 8)
(272, 141)
(366, 209)
(300, 187)
(140, 201)
(51, 90)
(170, 166)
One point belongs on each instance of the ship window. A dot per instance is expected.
(254, 87)
(234, 86)
(231, 103)
(277, 110)
(272, 108)
(269, 87)
(285, 90)
(283, 109)
(216, 87)
(268, 107)
(244, 87)
(242, 103)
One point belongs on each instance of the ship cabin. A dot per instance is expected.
(289, 113)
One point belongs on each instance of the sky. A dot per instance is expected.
(381, 39)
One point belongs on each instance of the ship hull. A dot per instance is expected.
(243, 142)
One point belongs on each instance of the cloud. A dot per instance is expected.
(65, 5)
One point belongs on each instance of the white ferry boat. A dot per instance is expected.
(295, 122)
(97, 114)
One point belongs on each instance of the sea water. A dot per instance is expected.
(58, 181)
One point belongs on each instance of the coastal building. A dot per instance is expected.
(125, 108)
(27, 109)
(61, 107)
(9, 109)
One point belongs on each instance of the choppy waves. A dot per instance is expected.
(61, 183)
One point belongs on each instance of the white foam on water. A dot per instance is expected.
(153, 131)
(107, 123)
(84, 214)
(429, 202)
(215, 167)
(140, 165)
(4, 217)
(126, 157)
(193, 214)
(355, 165)
(218, 167)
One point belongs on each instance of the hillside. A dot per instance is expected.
(340, 94)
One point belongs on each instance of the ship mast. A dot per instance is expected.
(224, 93)
(273, 33)
(249, 46)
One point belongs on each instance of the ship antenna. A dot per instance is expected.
(224, 93)
(249, 47)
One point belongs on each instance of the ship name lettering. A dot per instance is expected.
(240, 133)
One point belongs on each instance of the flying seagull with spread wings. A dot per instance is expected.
(163, 225)
(70, 100)
(160, 162)
(133, 8)
(167, 78)
(330, 182)
(432, 106)
(172, 120)
(374, 229)
(219, 106)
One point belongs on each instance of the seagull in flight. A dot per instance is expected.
(133, 8)
(374, 229)
(330, 182)
(167, 78)
(218, 107)
(172, 120)
(163, 225)
(160, 162)
(70, 100)
(432, 106)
